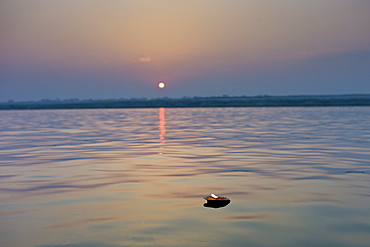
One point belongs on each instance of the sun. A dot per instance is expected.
(161, 85)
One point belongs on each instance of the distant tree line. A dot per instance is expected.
(218, 101)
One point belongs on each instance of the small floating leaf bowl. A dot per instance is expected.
(216, 201)
(219, 198)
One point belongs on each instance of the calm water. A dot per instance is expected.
(137, 177)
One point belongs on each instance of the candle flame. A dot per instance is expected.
(214, 196)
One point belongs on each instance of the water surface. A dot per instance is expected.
(137, 177)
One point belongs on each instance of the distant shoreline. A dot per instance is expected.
(225, 101)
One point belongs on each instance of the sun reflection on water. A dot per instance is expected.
(162, 126)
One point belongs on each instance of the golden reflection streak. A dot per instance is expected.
(161, 126)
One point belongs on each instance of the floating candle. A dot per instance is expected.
(214, 201)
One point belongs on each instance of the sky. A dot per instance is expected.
(103, 49)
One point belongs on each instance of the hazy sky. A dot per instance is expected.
(123, 48)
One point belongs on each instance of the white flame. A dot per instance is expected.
(214, 196)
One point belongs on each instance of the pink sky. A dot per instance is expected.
(113, 49)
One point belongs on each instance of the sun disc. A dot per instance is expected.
(161, 85)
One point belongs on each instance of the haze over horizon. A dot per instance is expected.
(123, 48)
